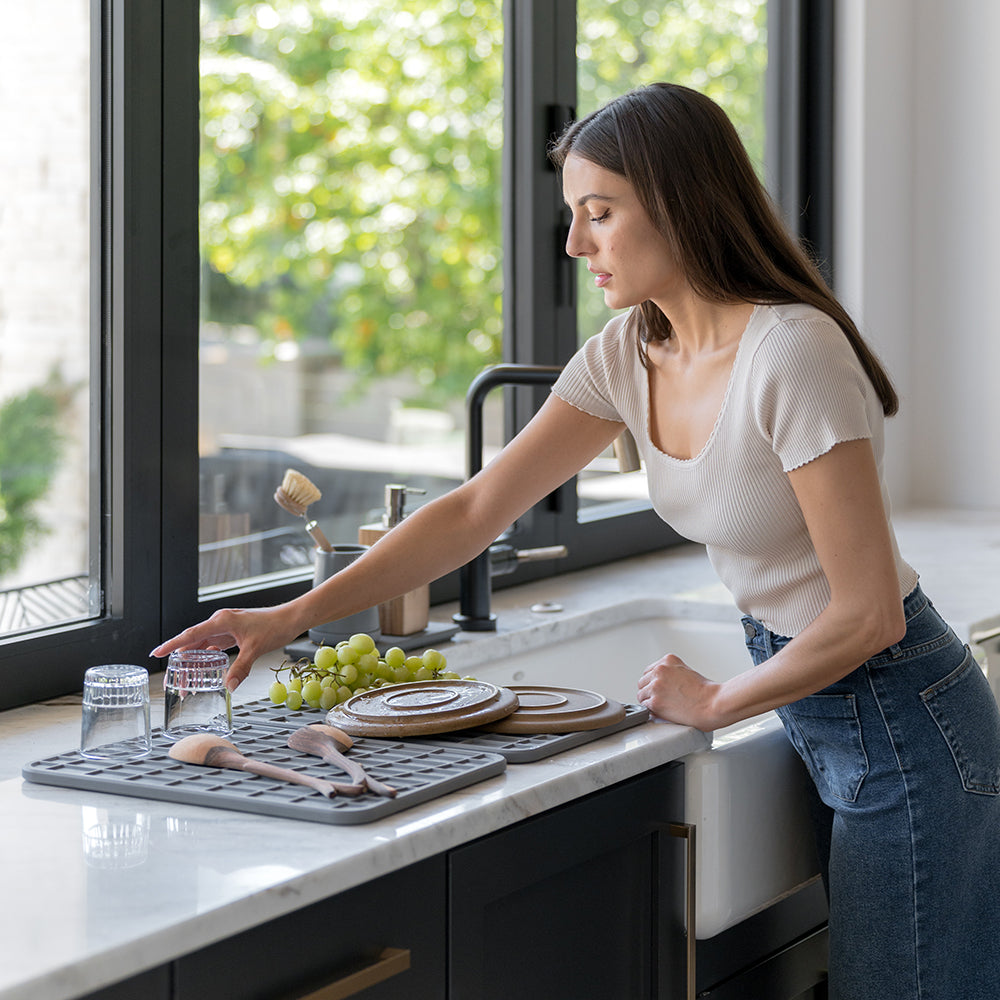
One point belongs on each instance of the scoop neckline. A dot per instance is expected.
(722, 408)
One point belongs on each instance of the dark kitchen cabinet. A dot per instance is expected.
(585, 900)
(151, 985)
(391, 929)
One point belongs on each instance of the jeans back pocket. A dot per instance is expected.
(826, 731)
(965, 711)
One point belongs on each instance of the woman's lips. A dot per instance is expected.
(601, 278)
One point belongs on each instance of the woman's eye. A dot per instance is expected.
(602, 217)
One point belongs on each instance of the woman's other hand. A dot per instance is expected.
(671, 690)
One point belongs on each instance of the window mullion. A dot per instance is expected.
(800, 135)
(132, 366)
(179, 371)
(539, 292)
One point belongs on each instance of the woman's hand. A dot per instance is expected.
(671, 690)
(255, 631)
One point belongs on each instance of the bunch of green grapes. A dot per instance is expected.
(335, 673)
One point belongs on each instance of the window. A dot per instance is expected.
(47, 576)
(257, 213)
(718, 47)
(96, 207)
(351, 261)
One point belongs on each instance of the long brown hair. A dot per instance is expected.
(685, 161)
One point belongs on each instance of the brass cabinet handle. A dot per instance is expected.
(390, 962)
(686, 831)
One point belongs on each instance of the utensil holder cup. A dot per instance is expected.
(328, 563)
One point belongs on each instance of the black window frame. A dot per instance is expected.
(146, 273)
(127, 283)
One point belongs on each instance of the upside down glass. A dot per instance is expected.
(196, 699)
(115, 721)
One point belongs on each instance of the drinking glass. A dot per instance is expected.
(196, 699)
(115, 722)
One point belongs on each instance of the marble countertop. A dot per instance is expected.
(100, 887)
(122, 884)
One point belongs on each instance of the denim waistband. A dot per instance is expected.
(761, 637)
(914, 602)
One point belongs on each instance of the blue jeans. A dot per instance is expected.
(904, 754)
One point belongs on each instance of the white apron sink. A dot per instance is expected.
(745, 794)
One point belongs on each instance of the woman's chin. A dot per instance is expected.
(613, 301)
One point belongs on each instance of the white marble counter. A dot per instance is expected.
(122, 884)
(99, 887)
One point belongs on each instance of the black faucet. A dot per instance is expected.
(474, 577)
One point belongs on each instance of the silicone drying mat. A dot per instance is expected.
(419, 771)
(525, 748)
(515, 749)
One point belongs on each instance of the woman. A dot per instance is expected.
(759, 412)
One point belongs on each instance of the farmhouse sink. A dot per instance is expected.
(744, 793)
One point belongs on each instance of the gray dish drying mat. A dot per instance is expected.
(524, 748)
(515, 749)
(419, 772)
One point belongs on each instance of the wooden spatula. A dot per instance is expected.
(214, 751)
(327, 742)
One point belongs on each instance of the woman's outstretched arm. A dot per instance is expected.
(437, 538)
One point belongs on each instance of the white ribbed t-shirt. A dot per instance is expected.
(796, 389)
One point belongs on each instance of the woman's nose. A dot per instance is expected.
(576, 243)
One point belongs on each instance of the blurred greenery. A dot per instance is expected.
(30, 448)
(350, 164)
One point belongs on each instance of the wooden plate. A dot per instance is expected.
(422, 707)
(544, 709)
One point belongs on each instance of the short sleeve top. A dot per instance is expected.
(796, 389)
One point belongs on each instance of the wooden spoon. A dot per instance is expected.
(214, 751)
(327, 742)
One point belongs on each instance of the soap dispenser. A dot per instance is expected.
(408, 614)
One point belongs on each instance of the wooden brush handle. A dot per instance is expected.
(316, 532)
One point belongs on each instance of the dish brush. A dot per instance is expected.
(295, 494)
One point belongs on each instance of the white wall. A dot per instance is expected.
(918, 237)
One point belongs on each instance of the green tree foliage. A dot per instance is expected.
(351, 170)
(351, 161)
(715, 46)
(30, 446)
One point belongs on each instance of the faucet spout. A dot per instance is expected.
(474, 578)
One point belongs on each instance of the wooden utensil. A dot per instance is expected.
(327, 742)
(214, 751)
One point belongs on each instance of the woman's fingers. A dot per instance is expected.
(212, 632)
(671, 690)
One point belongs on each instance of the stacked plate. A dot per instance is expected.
(557, 710)
(422, 708)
